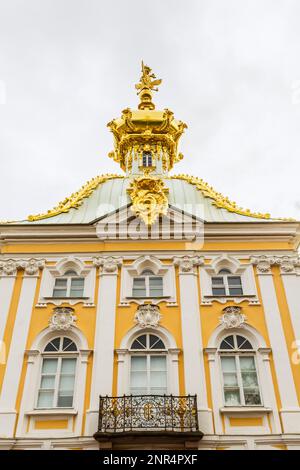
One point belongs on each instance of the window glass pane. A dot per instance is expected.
(66, 384)
(59, 292)
(49, 366)
(65, 401)
(45, 399)
(139, 287)
(68, 366)
(139, 363)
(156, 343)
(69, 345)
(228, 364)
(247, 363)
(59, 282)
(243, 343)
(217, 281)
(48, 382)
(230, 379)
(234, 281)
(252, 397)
(53, 345)
(158, 363)
(155, 281)
(227, 343)
(218, 291)
(235, 291)
(77, 282)
(139, 282)
(76, 293)
(139, 343)
(232, 397)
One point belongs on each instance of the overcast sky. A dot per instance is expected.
(230, 70)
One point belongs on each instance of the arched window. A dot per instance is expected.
(148, 366)
(147, 285)
(57, 379)
(226, 284)
(147, 158)
(240, 380)
(69, 285)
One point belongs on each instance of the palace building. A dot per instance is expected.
(148, 311)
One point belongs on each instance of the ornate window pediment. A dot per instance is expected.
(226, 278)
(71, 280)
(147, 278)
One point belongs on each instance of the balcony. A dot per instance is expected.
(152, 418)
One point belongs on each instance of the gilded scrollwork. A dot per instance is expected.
(149, 198)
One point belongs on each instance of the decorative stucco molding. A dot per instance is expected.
(63, 318)
(109, 264)
(264, 263)
(232, 317)
(9, 267)
(187, 263)
(147, 315)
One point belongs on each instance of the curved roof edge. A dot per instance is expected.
(75, 200)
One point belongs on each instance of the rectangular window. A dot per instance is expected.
(156, 286)
(249, 381)
(158, 375)
(230, 381)
(47, 387)
(218, 287)
(57, 383)
(138, 375)
(235, 285)
(60, 287)
(77, 286)
(139, 287)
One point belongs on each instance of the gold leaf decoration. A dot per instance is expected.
(75, 200)
(149, 198)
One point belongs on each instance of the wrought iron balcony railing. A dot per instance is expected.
(148, 413)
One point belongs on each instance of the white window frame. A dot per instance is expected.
(147, 278)
(159, 269)
(59, 355)
(226, 286)
(237, 353)
(148, 352)
(69, 278)
(147, 158)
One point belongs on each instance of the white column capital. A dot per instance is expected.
(109, 264)
(287, 263)
(188, 263)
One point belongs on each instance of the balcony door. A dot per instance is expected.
(148, 366)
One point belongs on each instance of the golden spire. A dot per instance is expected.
(146, 85)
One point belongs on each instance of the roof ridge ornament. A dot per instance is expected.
(148, 83)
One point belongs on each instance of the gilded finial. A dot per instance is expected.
(148, 83)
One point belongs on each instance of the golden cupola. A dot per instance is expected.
(146, 139)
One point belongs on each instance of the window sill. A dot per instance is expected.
(228, 296)
(66, 298)
(245, 409)
(52, 411)
(149, 298)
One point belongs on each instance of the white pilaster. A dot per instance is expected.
(7, 280)
(17, 348)
(103, 365)
(194, 373)
(290, 412)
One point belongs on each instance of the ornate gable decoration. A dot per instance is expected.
(149, 198)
